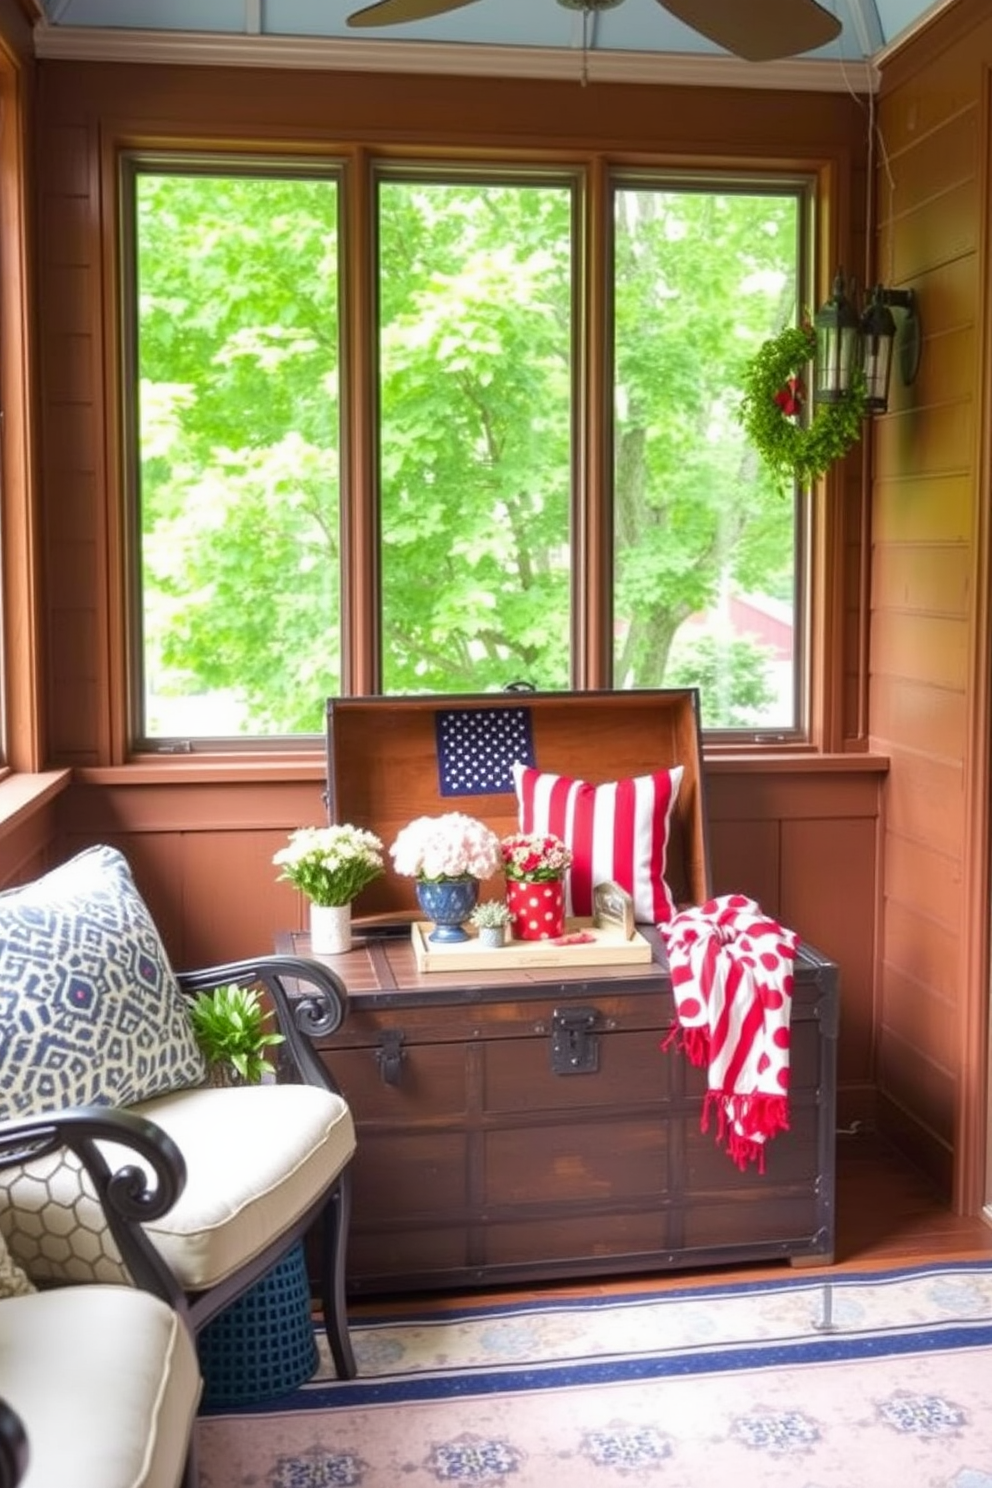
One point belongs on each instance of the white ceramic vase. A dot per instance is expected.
(330, 929)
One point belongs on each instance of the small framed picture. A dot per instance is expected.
(613, 909)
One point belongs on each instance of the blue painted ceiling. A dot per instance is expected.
(634, 27)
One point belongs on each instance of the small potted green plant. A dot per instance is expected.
(230, 1027)
(491, 919)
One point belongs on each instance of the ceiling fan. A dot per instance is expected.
(756, 30)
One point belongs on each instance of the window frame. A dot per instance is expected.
(567, 178)
(21, 644)
(131, 164)
(593, 174)
(802, 185)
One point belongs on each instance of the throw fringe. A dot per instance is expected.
(732, 973)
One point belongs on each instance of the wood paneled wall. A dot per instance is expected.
(88, 111)
(800, 838)
(23, 666)
(805, 842)
(929, 655)
(202, 845)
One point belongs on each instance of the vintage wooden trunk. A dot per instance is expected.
(522, 1125)
(392, 759)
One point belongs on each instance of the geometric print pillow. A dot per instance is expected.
(90, 1009)
(617, 830)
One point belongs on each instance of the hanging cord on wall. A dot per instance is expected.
(587, 35)
(588, 22)
(870, 187)
(889, 276)
(874, 137)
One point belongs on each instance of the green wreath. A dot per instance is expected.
(775, 398)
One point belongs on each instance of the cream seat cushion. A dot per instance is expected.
(257, 1156)
(107, 1383)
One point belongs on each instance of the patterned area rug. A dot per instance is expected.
(882, 1381)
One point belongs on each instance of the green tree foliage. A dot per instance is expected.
(700, 279)
(476, 357)
(240, 445)
(731, 676)
(237, 285)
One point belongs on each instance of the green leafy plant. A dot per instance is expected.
(229, 1025)
(775, 402)
(491, 914)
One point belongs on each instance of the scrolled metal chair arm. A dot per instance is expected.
(14, 1451)
(315, 1007)
(130, 1196)
(315, 1015)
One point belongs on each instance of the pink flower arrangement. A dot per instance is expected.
(530, 857)
(448, 846)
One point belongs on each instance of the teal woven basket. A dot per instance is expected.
(263, 1345)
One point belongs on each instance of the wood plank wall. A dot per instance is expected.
(803, 842)
(928, 699)
(22, 657)
(804, 845)
(88, 110)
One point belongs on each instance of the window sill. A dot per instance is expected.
(807, 763)
(260, 768)
(21, 795)
(208, 770)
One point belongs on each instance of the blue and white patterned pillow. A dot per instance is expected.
(90, 1010)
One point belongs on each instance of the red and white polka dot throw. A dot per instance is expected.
(732, 979)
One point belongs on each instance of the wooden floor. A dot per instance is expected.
(888, 1215)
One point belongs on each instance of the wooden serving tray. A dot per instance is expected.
(610, 947)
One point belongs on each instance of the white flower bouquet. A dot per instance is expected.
(331, 865)
(448, 846)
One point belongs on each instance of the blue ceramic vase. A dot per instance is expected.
(448, 902)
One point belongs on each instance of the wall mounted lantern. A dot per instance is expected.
(879, 331)
(838, 341)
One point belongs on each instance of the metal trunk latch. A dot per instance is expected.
(389, 1055)
(574, 1045)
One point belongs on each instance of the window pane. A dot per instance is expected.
(237, 354)
(475, 398)
(704, 559)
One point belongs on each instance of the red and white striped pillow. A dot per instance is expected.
(618, 830)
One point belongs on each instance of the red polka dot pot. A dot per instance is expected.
(537, 909)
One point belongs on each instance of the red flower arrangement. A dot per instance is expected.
(529, 857)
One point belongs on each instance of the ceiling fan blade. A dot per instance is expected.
(759, 30)
(397, 12)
